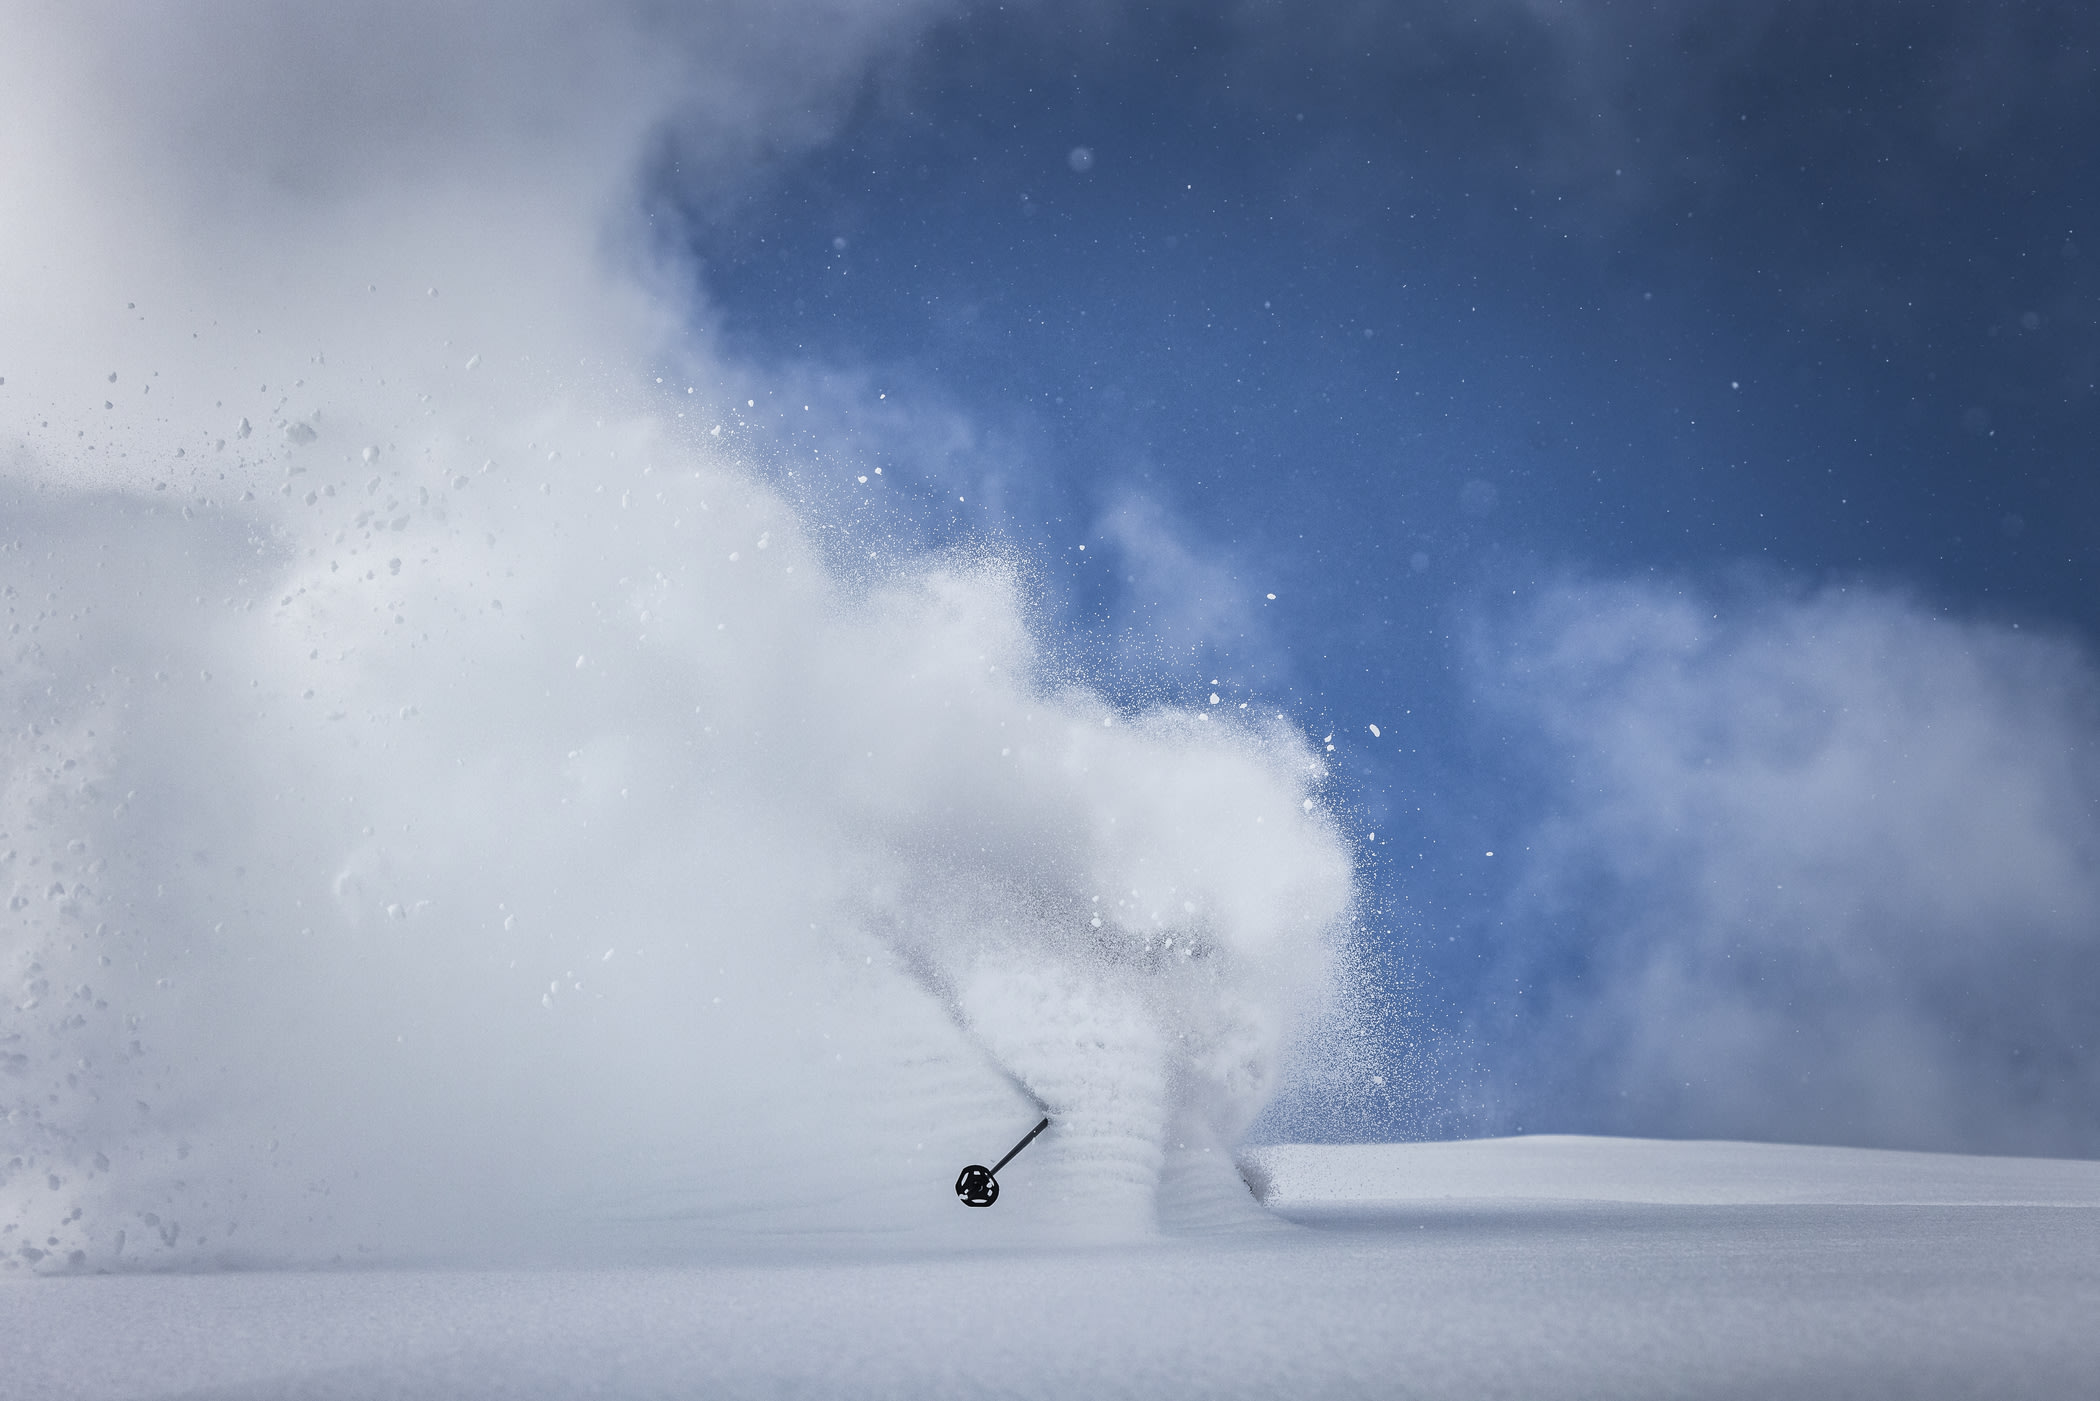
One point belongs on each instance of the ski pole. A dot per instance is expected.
(978, 1185)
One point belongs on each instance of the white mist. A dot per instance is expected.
(452, 808)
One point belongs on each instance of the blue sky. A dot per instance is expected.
(1443, 321)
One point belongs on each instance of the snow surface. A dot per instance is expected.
(1566, 1168)
(1552, 1267)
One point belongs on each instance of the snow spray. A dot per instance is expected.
(459, 802)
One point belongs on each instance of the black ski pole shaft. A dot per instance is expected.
(1027, 1139)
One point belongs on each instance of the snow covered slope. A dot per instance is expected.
(1566, 1167)
(1513, 1268)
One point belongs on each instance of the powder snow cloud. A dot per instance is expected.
(451, 805)
(1818, 866)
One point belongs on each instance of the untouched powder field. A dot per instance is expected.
(1536, 1267)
